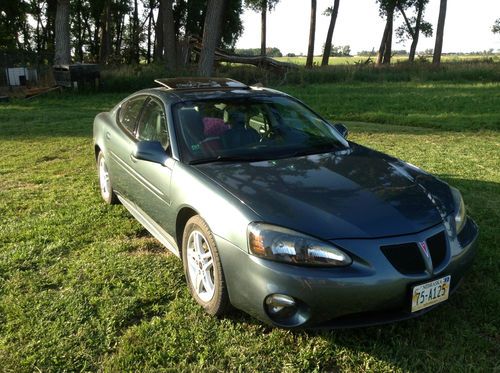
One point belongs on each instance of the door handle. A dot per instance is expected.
(133, 158)
(108, 136)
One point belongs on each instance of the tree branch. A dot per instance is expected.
(410, 29)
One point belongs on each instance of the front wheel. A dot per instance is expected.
(107, 193)
(203, 268)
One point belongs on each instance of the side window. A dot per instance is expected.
(129, 113)
(153, 125)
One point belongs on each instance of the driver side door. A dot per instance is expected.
(153, 194)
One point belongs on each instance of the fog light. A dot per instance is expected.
(277, 302)
(281, 308)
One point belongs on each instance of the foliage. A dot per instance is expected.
(340, 50)
(496, 27)
(403, 34)
(14, 27)
(386, 6)
(84, 287)
(270, 52)
(406, 31)
(258, 5)
(27, 28)
(190, 19)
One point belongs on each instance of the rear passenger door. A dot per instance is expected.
(153, 194)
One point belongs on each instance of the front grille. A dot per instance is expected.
(437, 248)
(407, 259)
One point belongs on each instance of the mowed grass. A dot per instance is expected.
(347, 60)
(84, 287)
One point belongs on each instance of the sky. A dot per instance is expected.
(467, 28)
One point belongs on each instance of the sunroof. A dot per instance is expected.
(201, 83)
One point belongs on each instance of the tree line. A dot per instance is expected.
(134, 31)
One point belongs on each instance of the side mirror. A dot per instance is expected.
(342, 129)
(151, 151)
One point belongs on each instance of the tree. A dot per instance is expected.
(262, 6)
(438, 47)
(332, 12)
(62, 54)
(413, 26)
(496, 27)
(106, 34)
(169, 38)
(312, 32)
(158, 48)
(211, 36)
(385, 50)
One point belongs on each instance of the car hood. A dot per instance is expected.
(353, 193)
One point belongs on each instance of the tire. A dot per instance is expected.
(105, 186)
(202, 267)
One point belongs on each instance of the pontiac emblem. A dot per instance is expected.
(423, 247)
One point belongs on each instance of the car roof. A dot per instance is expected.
(190, 89)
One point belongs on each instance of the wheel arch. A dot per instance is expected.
(183, 216)
(97, 150)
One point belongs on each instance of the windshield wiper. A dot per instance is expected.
(318, 149)
(225, 158)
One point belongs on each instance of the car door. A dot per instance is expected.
(153, 194)
(120, 142)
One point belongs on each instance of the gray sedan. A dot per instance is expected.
(273, 211)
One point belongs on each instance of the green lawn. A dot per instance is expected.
(84, 287)
(301, 60)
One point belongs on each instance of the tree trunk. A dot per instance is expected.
(416, 32)
(436, 60)
(312, 32)
(105, 39)
(169, 35)
(388, 40)
(210, 37)
(328, 43)
(135, 34)
(150, 17)
(79, 33)
(263, 26)
(119, 22)
(381, 50)
(62, 54)
(94, 46)
(49, 32)
(158, 53)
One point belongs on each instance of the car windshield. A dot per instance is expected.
(251, 129)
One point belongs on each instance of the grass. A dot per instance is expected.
(84, 287)
(344, 60)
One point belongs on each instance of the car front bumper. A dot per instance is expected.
(370, 291)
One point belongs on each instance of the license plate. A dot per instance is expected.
(430, 293)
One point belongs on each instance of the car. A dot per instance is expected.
(273, 211)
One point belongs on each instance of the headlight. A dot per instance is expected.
(284, 245)
(460, 216)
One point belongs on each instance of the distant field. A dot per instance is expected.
(361, 59)
(83, 287)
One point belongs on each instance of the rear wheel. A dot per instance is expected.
(107, 193)
(203, 268)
